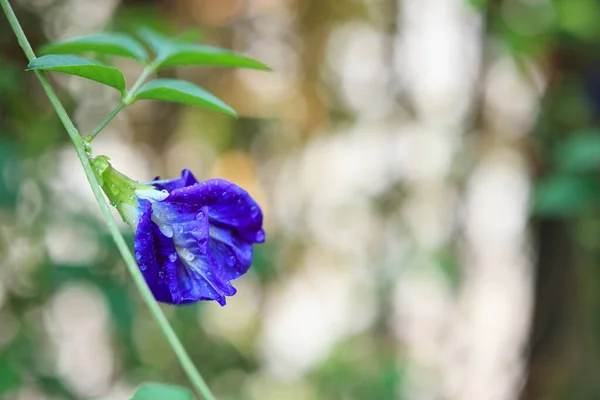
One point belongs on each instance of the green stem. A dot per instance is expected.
(125, 101)
(138, 278)
(103, 124)
(149, 70)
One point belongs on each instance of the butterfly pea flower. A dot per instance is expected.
(191, 238)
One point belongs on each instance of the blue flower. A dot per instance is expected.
(191, 238)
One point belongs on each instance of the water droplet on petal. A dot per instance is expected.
(143, 267)
(138, 255)
(231, 261)
(260, 236)
(166, 230)
(200, 215)
(180, 229)
(186, 254)
(225, 195)
(172, 257)
(254, 211)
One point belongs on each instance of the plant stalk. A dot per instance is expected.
(148, 70)
(106, 121)
(78, 142)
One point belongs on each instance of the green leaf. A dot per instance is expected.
(173, 52)
(191, 35)
(116, 44)
(565, 195)
(83, 67)
(180, 91)
(197, 54)
(579, 153)
(159, 391)
(159, 44)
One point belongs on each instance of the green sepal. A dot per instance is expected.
(119, 188)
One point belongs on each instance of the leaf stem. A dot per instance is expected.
(106, 121)
(184, 359)
(148, 70)
(127, 99)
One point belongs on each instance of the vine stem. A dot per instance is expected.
(183, 357)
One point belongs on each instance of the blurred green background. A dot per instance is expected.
(428, 170)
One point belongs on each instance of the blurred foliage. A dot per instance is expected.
(562, 35)
(356, 369)
(156, 391)
(574, 187)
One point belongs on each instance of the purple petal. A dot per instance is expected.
(193, 243)
(228, 205)
(197, 274)
(147, 255)
(197, 281)
(187, 179)
(230, 250)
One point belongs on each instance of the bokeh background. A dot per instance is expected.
(428, 171)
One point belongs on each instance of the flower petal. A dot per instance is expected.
(197, 274)
(197, 281)
(147, 255)
(192, 243)
(228, 204)
(187, 179)
(230, 250)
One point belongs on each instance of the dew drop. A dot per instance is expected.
(260, 236)
(186, 254)
(254, 211)
(225, 195)
(143, 267)
(200, 215)
(166, 230)
(138, 255)
(231, 261)
(172, 257)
